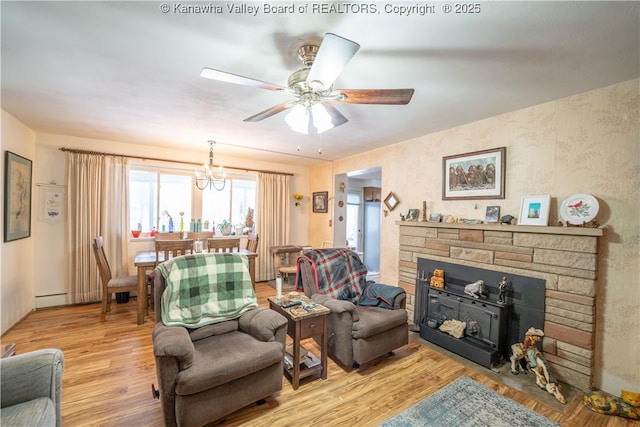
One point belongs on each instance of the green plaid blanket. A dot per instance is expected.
(206, 288)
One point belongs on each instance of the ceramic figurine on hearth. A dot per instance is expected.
(528, 352)
(502, 290)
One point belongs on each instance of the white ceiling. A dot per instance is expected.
(125, 71)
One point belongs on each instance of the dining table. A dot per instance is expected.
(145, 261)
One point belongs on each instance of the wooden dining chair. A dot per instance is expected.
(110, 284)
(252, 242)
(200, 235)
(172, 248)
(223, 245)
(167, 236)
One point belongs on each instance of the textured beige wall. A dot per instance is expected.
(588, 143)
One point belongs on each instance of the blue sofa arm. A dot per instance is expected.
(29, 376)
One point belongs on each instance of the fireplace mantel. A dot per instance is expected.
(573, 231)
(565, 257)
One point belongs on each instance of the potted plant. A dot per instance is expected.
(224, 227)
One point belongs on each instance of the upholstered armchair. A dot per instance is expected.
(208, 371)
(367, 320)
(32, 388)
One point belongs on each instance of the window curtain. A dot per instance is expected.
(273, 219)
(96, 205)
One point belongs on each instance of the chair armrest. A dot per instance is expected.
(173, 341)
(264, 324)
(31, 375)
(335, 305)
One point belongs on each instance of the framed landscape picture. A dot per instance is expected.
(477, 175)
(17, 197)
(534, 210)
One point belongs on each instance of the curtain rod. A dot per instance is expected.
(100, 153)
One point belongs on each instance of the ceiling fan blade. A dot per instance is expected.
(375, 96)
(337, 118)
(333, 55)
(270, 111)
(223, 76)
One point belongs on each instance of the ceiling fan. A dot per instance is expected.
(312, 87)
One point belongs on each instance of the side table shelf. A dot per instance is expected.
(304, 324)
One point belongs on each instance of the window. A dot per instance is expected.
(156, 195)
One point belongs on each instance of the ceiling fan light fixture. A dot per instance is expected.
(298, 119)
(321, 119)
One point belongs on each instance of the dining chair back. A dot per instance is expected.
(252, 242)
(110, 284)
(172, 248)
(200, 235)
(168, 236)
(223, 245)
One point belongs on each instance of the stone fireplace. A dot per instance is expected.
(565, 258)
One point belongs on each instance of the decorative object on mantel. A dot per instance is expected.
(534, 210)
(477, 175)
(450, 219)
(502, 290)
(580, 210)
(412, 215)
(535, 363)
(434, 217)
(391, 201)
(476, 289)
(437, 280)
(424, 210)
(507, 219)
(492, 214)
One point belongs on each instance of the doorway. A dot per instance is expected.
(363, 217)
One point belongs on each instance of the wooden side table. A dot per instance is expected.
(303, 324)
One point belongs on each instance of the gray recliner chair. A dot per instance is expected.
(362, 331)
(211, 371)
(32, 389)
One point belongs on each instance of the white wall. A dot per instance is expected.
(17, 257)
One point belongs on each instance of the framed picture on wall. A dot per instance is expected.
(17, 197)
(477, 175)
(391, 201)
(321, 201)
(534, 210)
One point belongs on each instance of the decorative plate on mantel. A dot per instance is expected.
(579, 209)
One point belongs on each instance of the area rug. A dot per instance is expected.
(465, 402)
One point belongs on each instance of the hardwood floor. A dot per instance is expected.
(109, 369)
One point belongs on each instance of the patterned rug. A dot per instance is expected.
(465, 402)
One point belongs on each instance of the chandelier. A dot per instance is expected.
(211, 176)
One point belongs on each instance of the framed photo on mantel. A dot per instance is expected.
(477, 175)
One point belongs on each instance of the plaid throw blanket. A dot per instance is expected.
(337, 272)
(206, 288)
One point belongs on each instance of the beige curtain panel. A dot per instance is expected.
(274, 215)
(96, 205)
